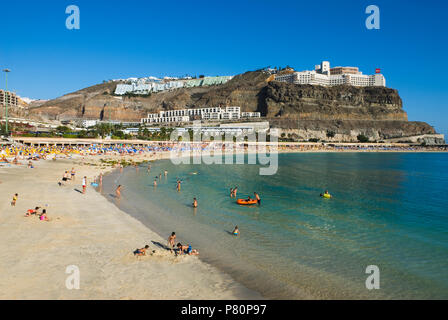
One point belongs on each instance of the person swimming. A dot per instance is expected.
(325, 194)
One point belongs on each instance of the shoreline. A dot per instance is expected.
(92, 233)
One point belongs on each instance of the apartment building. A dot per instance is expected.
(9, 97)
(186, 115)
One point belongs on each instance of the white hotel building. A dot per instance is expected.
(325, 76)
(187, 115)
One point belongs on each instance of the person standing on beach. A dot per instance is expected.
(14, 199)
(101, 178)
(84, 184)
(171, 241)
(73, 172)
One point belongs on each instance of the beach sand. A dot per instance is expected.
(90, 232)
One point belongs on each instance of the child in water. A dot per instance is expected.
(236, 231)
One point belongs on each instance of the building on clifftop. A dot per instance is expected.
(323, 75)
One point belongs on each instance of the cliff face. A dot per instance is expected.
(308, 111)
(307, 102)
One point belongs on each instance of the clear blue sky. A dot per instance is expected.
(120, 39)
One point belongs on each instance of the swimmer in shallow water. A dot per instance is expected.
(236, 231)
(325, 194)
(118, 191)
(257, 197)
(195, 203)
(235, 190)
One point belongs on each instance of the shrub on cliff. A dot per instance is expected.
(362, 138)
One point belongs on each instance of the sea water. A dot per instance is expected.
(389, 210)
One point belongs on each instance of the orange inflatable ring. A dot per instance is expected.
(246, 202)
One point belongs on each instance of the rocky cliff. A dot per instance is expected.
(305, 110)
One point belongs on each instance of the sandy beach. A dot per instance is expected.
(91, 233)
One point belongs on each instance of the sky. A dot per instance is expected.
(122, 39)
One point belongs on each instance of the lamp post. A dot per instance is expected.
(6, 71)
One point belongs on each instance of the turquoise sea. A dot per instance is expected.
(388, 210)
